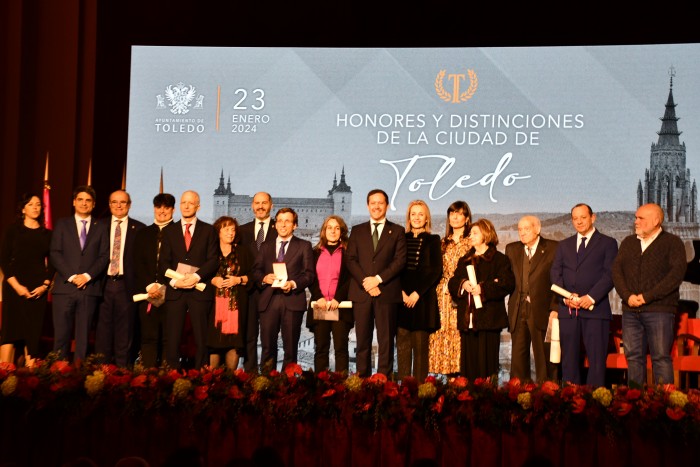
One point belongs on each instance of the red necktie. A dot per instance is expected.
(188, 237)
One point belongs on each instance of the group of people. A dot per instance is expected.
(440, 304)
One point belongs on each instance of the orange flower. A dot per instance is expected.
(622, 409)
(201, 392)
(633, 394)
(464, 396)
(292, 370)
(378, 378)
(460, 382)
(391, 389)
(235, 393)
(328, 393)
(139, 381)
(549, 388)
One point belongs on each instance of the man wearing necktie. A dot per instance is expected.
(531, 302)
(583, 266)
(376, 257)
(80, 254)
(282, 300)
(254, 234)
(117, 312)
(147, 245)
(194, 243)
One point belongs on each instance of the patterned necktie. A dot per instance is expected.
(529, 253)
(116, 250)
(280, 255)
(261, 235)
(375, 235)
(188, 237)
(83, 234)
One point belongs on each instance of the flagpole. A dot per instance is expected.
(161, 179)
(48, 223)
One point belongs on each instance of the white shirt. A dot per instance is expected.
(265, 227)
(646, 242)
(380, 227)
(532, 248)
(79, 223)
(588, 236)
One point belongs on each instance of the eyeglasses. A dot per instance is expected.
(118, 203)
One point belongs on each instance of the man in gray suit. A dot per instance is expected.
(531, 302)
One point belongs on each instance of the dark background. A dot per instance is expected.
(65, 65)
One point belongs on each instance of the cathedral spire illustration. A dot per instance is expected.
(667, 181)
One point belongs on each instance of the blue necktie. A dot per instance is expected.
(280, 255)
(83, 235)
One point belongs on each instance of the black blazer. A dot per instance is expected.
(203, 253)
(68, 259)
(341, 292)
(425, 315)
(542, 299)
(299, 261)
(387, 261)
(247, 232)
(146, 257)
(495, 276)
(133, 228)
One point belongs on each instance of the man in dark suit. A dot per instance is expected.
(253, 235)
(80, 254)
(531, 302)
(116, 315)
(376, 258)
(282, 301)
(152, 318)
(583, 266)
(190, 243)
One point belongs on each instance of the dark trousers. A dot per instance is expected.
(523, 336)
(250, 363)
(152, 332)
(73, 313)
(479, 353)
(412, 353)
(340, 331)
(274, 319)
(199, 313)
(369, 314)
(593, 333)
(115, 324)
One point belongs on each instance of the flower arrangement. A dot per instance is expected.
(295, 395)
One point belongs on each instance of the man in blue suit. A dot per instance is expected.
(282, 302)
(80, 254)
(583, 266)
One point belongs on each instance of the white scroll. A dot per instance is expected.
(566, 294)
(170, 274)
(555, 346)
(472, 279)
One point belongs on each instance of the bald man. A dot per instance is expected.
(647, 273)
(190, 242)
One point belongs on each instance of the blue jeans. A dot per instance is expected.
(655, 331)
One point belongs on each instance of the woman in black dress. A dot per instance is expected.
(329, 289)
(419, 316)
(480, 328)
(28, 276)
(227, 322)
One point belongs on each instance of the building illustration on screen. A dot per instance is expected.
(667, 181)
(312, 211)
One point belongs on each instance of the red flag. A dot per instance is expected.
(48, 223)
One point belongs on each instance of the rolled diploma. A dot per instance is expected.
(555, 346)
(565, 293)
(472, 278)
(343, 304)
(140, 296)
(170, 274)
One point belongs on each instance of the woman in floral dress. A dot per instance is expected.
(445, 344)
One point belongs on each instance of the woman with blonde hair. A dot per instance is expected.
(419, 316)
